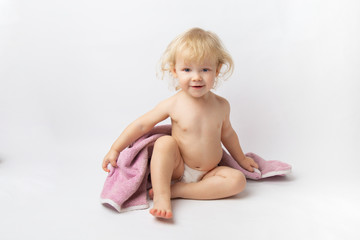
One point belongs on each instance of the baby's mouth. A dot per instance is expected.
(197, 87)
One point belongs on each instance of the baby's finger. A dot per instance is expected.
(104, 166)
(249, 168)
(113, 162)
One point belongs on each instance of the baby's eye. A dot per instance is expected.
(206, 70)
(186, 69)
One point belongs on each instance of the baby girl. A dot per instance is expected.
(185, 164)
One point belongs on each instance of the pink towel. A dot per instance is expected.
(126, 186)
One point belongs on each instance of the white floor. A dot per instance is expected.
(52, 191)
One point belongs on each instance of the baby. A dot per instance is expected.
(185, 164)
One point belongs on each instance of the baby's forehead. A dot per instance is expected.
(190, 59)
(196, 63)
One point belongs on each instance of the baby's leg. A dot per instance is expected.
(166, 164)
(220, 182)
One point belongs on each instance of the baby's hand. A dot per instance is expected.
(249, 164)
(111, 157)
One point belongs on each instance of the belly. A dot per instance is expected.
(201, 155)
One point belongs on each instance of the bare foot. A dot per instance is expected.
(162, 206)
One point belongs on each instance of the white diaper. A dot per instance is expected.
(192, 175)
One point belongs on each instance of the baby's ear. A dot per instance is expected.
(173, 72)
(218, 69)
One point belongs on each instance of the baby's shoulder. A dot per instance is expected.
(180, 96)
(222, 101)
(169, 102)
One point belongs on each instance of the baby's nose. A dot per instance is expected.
(197, 77)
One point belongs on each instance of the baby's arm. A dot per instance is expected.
(135, 130)
(231, 142)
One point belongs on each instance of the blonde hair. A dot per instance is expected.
(197, 44)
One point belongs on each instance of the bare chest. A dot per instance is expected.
(198, 120)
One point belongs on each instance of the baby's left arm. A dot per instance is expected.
(231, 142)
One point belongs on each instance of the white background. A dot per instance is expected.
(74, 73)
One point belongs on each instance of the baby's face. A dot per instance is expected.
(197, 79)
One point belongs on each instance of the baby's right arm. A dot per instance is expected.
(135, 130)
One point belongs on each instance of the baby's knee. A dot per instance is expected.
(238, 181)
(165, 143)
